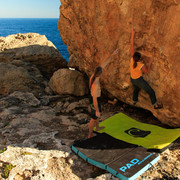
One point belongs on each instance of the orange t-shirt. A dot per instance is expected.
(136, 72)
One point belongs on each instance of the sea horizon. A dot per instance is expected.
(25, 18)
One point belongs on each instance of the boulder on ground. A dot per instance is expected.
(66, 81)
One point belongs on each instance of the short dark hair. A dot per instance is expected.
(98, 69)
(97, 73)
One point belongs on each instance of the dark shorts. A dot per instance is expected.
(93, 111)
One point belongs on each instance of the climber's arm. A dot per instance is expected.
(132, 42)
(106, 62)
(145, 69)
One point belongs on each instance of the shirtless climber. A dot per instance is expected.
(95, 89)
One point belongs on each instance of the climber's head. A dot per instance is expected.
(137, 56)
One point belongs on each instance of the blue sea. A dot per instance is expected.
(43, 26)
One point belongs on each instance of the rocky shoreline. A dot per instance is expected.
(38, 134)
(40, 121)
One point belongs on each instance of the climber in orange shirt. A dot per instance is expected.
(137, 68)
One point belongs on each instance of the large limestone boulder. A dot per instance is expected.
(93, 29)
(34, 48)
(71, 82)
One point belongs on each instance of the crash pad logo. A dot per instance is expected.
(135, 132)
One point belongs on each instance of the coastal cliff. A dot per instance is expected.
(93, 29)
(32, 48)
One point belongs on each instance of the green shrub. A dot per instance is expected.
(1, 151)
(6, 168)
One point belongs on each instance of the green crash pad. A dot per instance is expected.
(123, 127)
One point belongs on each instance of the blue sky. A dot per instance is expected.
(29, 8)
